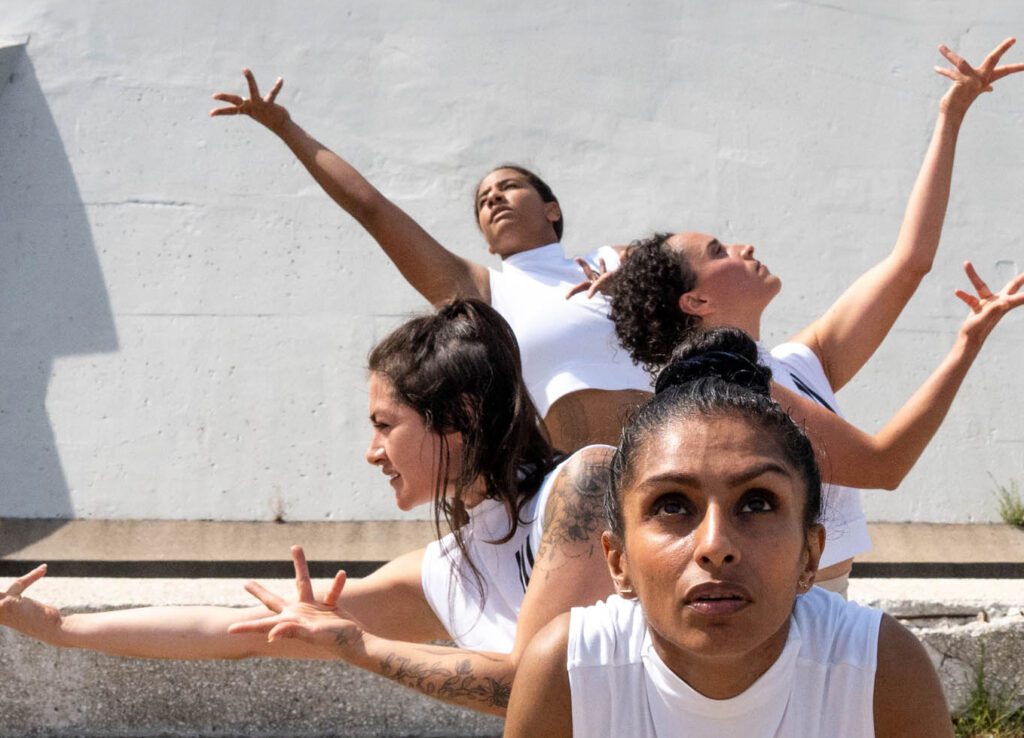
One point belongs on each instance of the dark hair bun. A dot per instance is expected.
(728, 354)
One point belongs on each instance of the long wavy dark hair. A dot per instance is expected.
(459, 369)
(713, 374)
(645, 306)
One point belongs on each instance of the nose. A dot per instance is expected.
(747, 251)
(715, 540)
(375, 452)
(494, 196)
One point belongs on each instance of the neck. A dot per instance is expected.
(751, 325)
(517, 243)
(718, 676)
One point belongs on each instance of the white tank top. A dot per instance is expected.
(451, 590)
(821, 685)
(797, 368)
(566, 345)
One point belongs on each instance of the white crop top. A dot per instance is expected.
(566, 345)
(821, 685)
(451, 590)
(797, 368)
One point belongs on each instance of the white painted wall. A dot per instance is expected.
(184, 317)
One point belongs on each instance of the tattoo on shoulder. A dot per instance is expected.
(575, 510)
(459, 685)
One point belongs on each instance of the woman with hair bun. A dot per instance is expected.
(716, 629)
(518, 535)
(581, 381)
(671, 286)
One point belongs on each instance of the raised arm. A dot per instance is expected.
(847, 335)
(387, 599)
(569, 570)
(431, 269)
(851, 457)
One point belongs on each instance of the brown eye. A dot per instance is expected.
(758, 502)
(669, 505)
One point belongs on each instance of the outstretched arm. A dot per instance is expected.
(851, 457)
(390, 599)
(847, 335)
(569, 570)
(431, 269)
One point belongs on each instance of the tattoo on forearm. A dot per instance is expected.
(436, 679)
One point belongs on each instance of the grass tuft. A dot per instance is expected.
(1011, 504)
(990, 710)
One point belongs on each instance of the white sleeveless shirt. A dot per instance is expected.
(821, 685)
(505, 568)
(566, 345)
(797, 368)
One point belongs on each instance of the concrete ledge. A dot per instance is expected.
(168, 548)
(51, 692)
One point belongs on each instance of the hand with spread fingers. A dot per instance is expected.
(595, 280)
(28, 616)
(261, 109)
(317, 622)
(969, 82)
(988, 308)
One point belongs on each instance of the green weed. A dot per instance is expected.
(990, 710)
(1011, 504)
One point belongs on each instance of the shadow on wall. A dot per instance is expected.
(53, 301)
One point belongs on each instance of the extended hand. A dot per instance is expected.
(600, 280)
(968, 81)
(318, 622)
(987, 309)
(261, 109)
(32, 618)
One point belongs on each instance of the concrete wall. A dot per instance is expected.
(184, 316)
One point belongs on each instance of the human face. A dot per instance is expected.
(406, 451)
(512, 215)
(733, 287)
(715, 549)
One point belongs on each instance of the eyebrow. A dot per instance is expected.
(693, 480)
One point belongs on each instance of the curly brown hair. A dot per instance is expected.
(645, 306)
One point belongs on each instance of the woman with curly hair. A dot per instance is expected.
(673, 285)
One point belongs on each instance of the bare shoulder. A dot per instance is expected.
(575, 508)
(541, 701)
(909, 702)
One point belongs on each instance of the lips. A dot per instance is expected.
(717, 598)
(499, 211)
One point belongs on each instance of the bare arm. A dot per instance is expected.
(431, 269)
(908, 696)
(848, 334)
(541, 701)
(569, 570)
(387, 599)
(851, 457)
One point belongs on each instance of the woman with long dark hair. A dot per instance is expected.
(673, 285)
(518, 534)
(716, 630)
(580, 380)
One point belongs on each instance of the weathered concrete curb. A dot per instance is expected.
(48, 692)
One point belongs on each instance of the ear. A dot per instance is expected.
(814, 545)
(618, 566)
(553, 212)
(695, 303)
